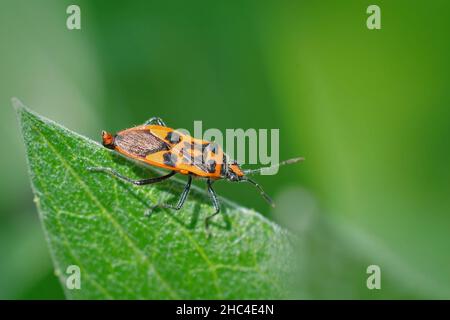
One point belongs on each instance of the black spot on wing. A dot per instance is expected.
(170, 159)
(224, 168)
(197, 161)
(213, 147)
(193, 146)
(173, 137)
(205, 146)
(205, 164)
(211, 166)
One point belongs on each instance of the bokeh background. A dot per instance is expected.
(369, 109)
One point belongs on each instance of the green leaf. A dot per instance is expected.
(97, 222)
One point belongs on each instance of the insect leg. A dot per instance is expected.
(126, 179)
(215, 201)
(180, 202)
(261, 191)
(155, 120)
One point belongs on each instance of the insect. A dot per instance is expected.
(158, 145)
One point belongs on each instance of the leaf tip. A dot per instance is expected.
(19, 107)
(17, 104)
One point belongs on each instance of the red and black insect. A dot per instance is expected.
(158, 145)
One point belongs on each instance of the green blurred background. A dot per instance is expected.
(369, 109)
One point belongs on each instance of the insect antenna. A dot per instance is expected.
(282, 163)
(261, 191)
